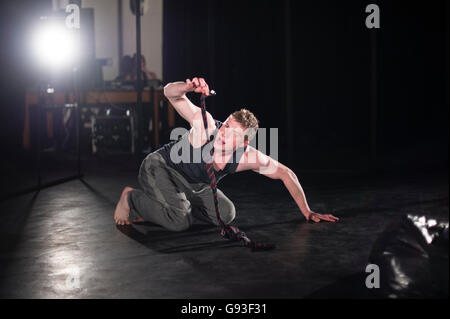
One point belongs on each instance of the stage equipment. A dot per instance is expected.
(113, 135)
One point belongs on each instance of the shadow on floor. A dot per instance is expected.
(164, 241)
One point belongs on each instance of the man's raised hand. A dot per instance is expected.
(197, 85)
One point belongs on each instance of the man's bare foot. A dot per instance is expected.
(122, 210)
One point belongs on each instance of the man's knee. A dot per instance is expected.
(227, 212)
(180, 222)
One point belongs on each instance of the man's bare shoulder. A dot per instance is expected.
(197, 121)
(251, 159)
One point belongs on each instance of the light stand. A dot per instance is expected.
(76, 88)
(139, 83)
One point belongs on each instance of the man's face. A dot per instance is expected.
(230, 136)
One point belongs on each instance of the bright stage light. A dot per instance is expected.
(54, 45)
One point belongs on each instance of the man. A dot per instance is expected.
(175, 185)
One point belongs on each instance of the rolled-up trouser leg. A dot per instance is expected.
(162, 199)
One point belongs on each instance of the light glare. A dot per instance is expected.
(54, 45)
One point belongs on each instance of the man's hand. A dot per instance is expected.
(197, 85)
(318, 217)
(175, 92)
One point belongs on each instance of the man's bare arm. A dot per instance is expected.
(176, 94)
(262, 164)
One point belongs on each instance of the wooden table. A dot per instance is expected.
(99, 97)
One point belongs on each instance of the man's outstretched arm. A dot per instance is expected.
(262, 164)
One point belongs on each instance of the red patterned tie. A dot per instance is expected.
(230, 232)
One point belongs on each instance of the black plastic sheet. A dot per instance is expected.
(412, 255)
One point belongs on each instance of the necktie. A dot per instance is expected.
(228, 231)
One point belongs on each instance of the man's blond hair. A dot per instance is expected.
(248, 121)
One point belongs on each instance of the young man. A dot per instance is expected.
(175, 186)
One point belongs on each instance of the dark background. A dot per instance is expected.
(311, 69)
(240, 48)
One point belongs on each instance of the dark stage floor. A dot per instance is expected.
(63, 243)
